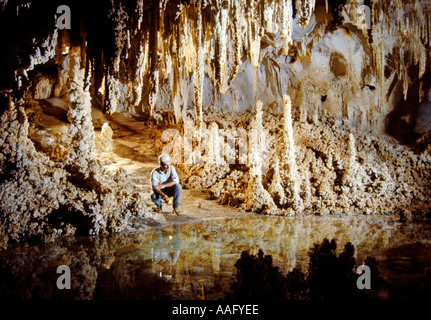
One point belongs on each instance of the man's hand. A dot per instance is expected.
(158, 189)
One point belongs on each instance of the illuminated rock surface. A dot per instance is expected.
(336, 93)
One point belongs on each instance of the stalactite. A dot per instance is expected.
(239, 31)
(49, 46)
(379, 62)
(119, 17)
(183, 89)
(63, 65)
(152, 99)
(140, 14)
(221, 30)
(304, 9)
(254, 35)
(268, 15)
(422, 61)
(177, 107)
(198, 75)
(216, 54)
(142, 67)
(174, 78)
(167, 65)
(286, 22)
(187, 48)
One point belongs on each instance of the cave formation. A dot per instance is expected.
(273, 106)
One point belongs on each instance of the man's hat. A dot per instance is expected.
(165, 158)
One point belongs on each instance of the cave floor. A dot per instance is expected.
(136, 147)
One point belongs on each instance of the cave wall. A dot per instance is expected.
(65, 191)
(364, 62)
(193, 59)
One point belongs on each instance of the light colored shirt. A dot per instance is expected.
(158, 177)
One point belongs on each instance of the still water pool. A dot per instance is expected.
(196, 260)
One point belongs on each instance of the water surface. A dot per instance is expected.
(196, 260)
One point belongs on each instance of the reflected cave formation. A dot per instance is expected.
(316, 113)
(197, 260)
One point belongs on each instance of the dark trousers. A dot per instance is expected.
(174, 191)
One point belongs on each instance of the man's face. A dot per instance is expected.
(165, 166)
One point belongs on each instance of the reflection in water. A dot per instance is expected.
(166, 248)
(196, 260)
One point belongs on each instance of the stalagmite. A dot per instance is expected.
(112, 94)
(303, 108)
(257, 198)
(190, 135)
(254, 145)
(104, 142)
(290, 154)
(288, 132)
(213, 153)
(307, 189)
(350, 169)
(276, 189)
(81, 130)
(351, 152)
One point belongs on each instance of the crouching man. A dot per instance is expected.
(166, 184)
